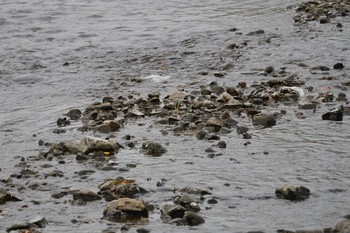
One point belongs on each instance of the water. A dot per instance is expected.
(57, 55)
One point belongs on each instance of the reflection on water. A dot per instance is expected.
(56, 55)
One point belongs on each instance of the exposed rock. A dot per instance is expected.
(63, 122)
(215, 121)
(85, 195)
(171, 211)
(153, 148)
(342, 227)
(125, 209)
(193, 219)
(293, 193)
(90, 144)
(186, 201)
(263, 120)
(338, 66)
(334, 115)
(5, 197)
(74, 114)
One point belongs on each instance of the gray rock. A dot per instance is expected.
(293, 193)
(193, 219)
(90, 144)
(171, 211)
(85, 195)
(153, 148)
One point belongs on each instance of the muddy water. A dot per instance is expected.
(59, 55)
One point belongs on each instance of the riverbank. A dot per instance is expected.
(237, 112)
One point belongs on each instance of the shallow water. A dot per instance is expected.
(59, 55)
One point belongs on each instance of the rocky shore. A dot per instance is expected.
(207, 111)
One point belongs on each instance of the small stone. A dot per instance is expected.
(5, 197)
(193, 219)
(263, 120)
(74, 114)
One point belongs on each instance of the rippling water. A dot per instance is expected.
(62, 54)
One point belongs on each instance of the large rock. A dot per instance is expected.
(153, 148)
(90, 144)
(293, 193)
(125, 209)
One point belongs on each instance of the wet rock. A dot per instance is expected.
(269, 70)
(186, 201)
(90, 144)
(342, 227)
(254, 33)
(5, 197)
(334, 115)
(221, 144)
(86, 195)
(293, 193)
(38, 222)
(63, 122)
(125, 209)
(171, 211)
(242, 129)
(264, 120)
(324, 20)
(74, 114)
(153, 148)
(215, 122)
(142, 230)
(338, 66)
(307, 106)
(200, 135)
(193, 219)
(59, 195)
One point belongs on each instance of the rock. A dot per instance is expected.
(186, 201)
(153, 148)
(342, 227)
(125, 209)
(263, 120)
(254, 33)
(334, 115)
(216, 122)
(193, 219)
(200, 135)
(39, 222)
(338, 66)
(63, 122)
(87, 196)
(74, 114)
(324, 20)
(307, 106)
(5, 197)
(221, 144)
(171, 211)
(242, 129)
(269, 70)
(293, 193)
(90, 144)
(224, 97)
